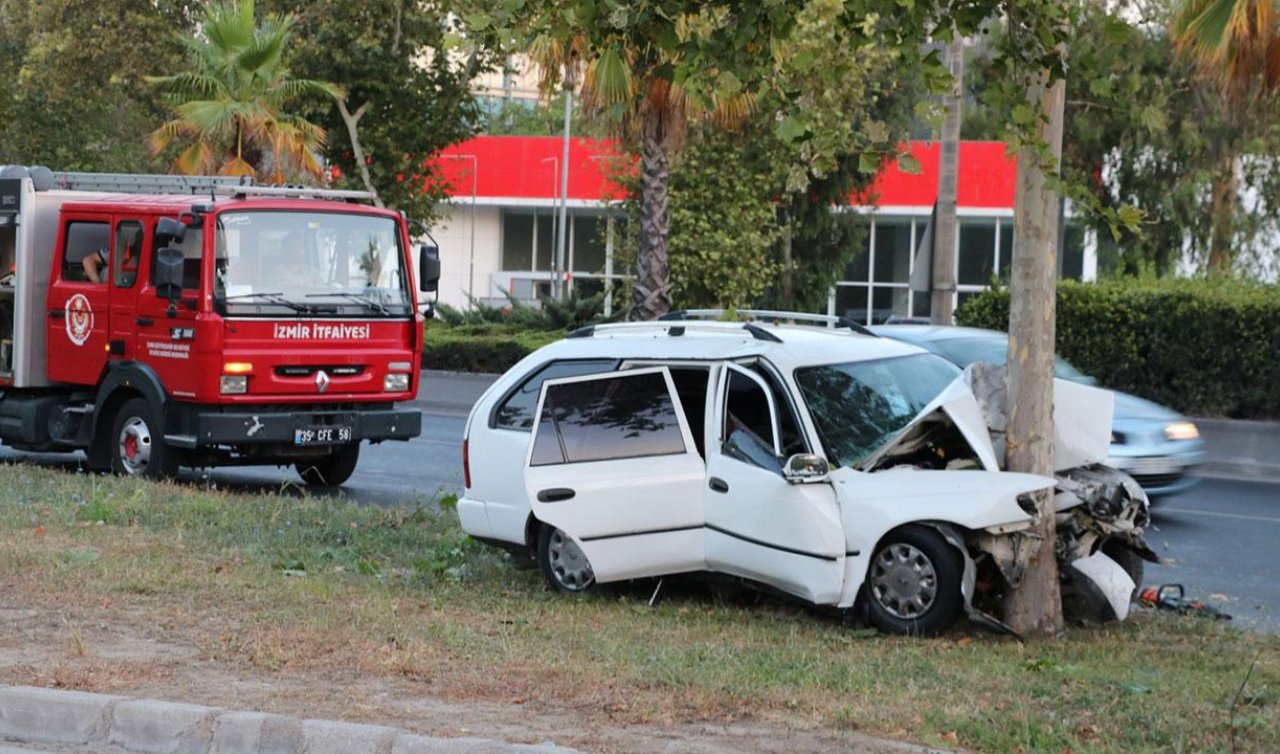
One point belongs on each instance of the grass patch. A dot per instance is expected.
(278, 583)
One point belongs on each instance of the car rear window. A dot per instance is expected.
(624, 416)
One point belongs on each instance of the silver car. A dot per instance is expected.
(1156, 445)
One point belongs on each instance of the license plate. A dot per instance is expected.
(321, 435)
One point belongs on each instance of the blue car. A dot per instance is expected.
(1157, 446)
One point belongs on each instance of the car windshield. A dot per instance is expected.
(995, 350)
(311, 262)
(857, 407)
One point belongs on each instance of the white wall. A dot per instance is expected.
(453, 232)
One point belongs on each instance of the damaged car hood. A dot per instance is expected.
(975, 404)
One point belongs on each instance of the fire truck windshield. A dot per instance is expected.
(315, 262)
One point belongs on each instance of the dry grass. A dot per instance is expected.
(115, 585)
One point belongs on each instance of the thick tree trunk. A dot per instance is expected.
(1223, 209)
(653, 268)
(1034, 607)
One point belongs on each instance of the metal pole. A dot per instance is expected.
(559, 290)
(555, 225)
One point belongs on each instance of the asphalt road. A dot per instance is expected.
(1216, 539)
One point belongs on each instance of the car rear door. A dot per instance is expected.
(612, 463)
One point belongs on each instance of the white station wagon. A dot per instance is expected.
(847, 470)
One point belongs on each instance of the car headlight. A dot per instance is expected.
(1181, 431)
(396, 383)
(234, 384)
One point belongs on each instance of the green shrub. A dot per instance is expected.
(1208, 348)
(490, 347)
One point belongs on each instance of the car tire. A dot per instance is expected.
(331, 470)
(913, 583)
(563, 563)
(137, 445)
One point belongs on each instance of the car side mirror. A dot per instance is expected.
(806, 468)
(169, 229)
(429, 268)
(168, 278)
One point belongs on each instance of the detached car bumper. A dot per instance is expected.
(201, 427)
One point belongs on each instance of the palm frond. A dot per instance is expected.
(608, 80)
(194, 160)
(236, 166)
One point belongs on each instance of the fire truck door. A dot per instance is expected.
(77, 312)
(126, 252)
(165, 337)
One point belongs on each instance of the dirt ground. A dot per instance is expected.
(107, 649)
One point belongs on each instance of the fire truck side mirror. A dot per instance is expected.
(168, 278)
(169, 229)
(429, 267)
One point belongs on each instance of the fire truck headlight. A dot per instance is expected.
(396, 383)
(234, 384)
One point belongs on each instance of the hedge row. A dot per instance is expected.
(483, 347)
(1204, 348)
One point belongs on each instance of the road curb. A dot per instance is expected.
(30, 715)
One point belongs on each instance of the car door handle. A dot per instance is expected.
(555, 495)
(57, 314)
(144, 322)
(717, 484)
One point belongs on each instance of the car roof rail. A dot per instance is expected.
(674, 330)
(769, 315)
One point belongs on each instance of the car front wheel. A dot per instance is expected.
(331, 470)
(913, 583)
(563, 562)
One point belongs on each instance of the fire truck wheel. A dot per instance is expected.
(137, 442)
(331, 470)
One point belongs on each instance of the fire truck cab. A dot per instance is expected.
(162, 321)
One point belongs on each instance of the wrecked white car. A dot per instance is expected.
(844, 469)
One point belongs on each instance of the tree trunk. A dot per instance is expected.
(653, 267)
(352, 122)
(788, 299)
(942, 300)
(1034, 606)
(1223, 209)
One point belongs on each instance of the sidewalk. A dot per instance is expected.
(1234, 449)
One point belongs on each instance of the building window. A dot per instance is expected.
(976, 254)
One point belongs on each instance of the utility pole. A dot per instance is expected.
(942, 301)
(558, 291)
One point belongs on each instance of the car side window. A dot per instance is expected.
(128, 252)
(83, 239)
(627, 415)
(516, 410)
(747, 433)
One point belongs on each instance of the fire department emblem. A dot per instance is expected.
(79, 319)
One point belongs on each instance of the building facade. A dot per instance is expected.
(500, 233)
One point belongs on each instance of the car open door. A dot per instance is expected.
(613, 465)
(758, 525)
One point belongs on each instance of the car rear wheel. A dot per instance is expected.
(137, 442)
(331, 470)
(563, 562)
(913, 583)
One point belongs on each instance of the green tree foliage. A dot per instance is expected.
(74, 94)
(406, 91)
(723, 226)
(234, 105)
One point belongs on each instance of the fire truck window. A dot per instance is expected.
(128, 251)
(191, 245)
(83, 239)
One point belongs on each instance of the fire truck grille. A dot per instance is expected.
(307, 370)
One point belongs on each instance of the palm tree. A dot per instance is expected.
(233, 104)
(1236, 45)
(627, 80)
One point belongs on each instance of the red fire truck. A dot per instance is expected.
(163, 321)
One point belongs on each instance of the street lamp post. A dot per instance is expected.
(560, 293)
(555, 226)
(471, 261)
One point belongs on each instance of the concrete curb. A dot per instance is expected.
(47, 716)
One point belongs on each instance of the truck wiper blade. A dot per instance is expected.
(363, 298)
(272, 298)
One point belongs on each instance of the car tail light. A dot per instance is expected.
(466, 462)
